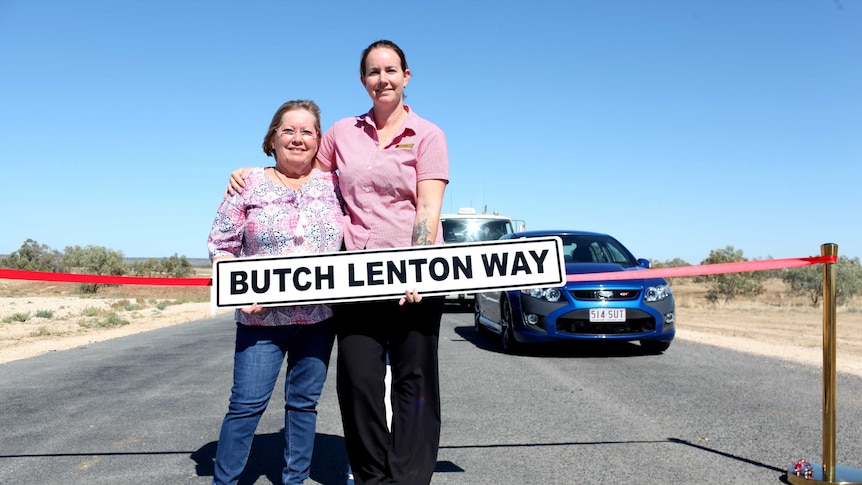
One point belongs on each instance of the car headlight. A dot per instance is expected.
(547, 294)
(657, 293)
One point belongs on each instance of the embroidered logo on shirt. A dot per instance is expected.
(404, 145)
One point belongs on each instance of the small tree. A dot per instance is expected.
(848, 278)
(671, 263)
(177, 266)
(808, 280)
(96, 260)
(729, 286)
(32, 256)
(149, 267)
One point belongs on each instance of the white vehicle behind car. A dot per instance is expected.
(468, 226)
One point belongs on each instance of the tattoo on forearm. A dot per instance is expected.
(421, 234)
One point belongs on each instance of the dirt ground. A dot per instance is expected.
(38, 317)
(775, 324)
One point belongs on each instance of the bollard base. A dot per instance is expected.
(843, 476)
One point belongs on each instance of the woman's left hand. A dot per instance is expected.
(410, 297)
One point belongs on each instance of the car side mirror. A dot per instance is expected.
(643, 263)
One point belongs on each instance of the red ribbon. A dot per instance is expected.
(16, 274)
(676, 272)
(704, 269)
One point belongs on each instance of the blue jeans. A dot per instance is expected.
(258, 357)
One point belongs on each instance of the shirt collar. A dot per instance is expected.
(368, 119)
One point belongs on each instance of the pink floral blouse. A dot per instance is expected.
(269, 219)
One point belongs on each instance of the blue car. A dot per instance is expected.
(640, 309)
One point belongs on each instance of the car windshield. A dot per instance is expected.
(595, 249)
(474, 229)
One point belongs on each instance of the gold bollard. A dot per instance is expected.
(828, 473)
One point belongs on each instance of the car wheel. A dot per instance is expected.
(654, 346)
(507, 332)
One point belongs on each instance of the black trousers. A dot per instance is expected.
(366, 332)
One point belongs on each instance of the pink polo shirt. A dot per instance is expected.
(379, 184)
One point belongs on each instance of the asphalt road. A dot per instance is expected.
(146, 409)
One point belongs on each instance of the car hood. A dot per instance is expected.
(581, 268)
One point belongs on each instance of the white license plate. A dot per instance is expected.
(607, 314)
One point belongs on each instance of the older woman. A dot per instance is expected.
(292, 208)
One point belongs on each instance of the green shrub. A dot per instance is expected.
(126, 305)
(728, 286)
(91, 311)
(40, 332)
(113, 320)
(88, 288)
(107, 321)
(17, 317)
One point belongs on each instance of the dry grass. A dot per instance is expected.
(37, 317)
(774, 323)
(20, 289)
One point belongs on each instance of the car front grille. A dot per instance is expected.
(578, 323)
(605, 295)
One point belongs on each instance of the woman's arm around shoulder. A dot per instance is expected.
(236, 181)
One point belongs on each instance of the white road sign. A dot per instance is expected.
(386, 274)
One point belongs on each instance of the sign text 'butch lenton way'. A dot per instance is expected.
(386, 274)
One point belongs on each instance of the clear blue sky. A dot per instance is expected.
(677, 126)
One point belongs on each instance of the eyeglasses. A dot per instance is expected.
(290, 133)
